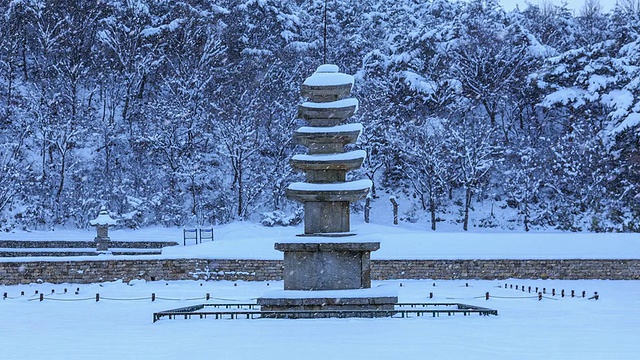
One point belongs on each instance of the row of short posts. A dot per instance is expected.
(53, 291)
(594, 297)
(553, 292)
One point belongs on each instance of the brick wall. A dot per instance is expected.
(260, 270)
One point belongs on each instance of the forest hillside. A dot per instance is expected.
(181, 112)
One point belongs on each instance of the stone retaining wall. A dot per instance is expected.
(58, 244)
(261, 270)
(573, 269)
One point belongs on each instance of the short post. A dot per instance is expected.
(97, 297)
(41, 296)
(5, 296)
(367, 209)
(539, 296)
(573, 293)
(153, 297)
(395, 209)
(102, 223)
(486, 296)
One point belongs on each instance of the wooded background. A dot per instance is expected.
(181, 112)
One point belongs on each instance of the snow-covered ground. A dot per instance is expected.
(75, 326)
(554, 328)
(247, 240)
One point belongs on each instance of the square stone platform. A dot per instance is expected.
(303, 304)
(327, 264)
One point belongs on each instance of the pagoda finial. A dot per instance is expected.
(324, 58)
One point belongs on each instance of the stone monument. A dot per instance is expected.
(327, 267)
(102, 223)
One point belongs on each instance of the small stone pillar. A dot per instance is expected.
(102, 223)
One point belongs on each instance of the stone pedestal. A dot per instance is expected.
(327, 265)
(102, 240)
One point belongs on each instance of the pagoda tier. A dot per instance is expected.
(329, 113)
(328, 168)
(326, 194)
(327, 140)
(326, 85)
(349, 191)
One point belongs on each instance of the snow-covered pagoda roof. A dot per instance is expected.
(103, 219)
(344, 103)
(357, 185)
(348, 156)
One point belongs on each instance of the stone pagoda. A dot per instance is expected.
(327, 267)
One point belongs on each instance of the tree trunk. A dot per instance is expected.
(240, 190)
(432, 210)
(60, 186)
(526, 215)
(194, 196)
(395, 210)
(467, 205)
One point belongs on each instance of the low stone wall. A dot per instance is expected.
(573, 269)
(58, 244)
(88, 271)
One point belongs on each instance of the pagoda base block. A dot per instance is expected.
(324, 304)
(325, 265)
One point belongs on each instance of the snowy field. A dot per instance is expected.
(70, 326)
(75, 326)
(247, 240)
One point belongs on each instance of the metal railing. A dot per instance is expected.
(253, 311)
